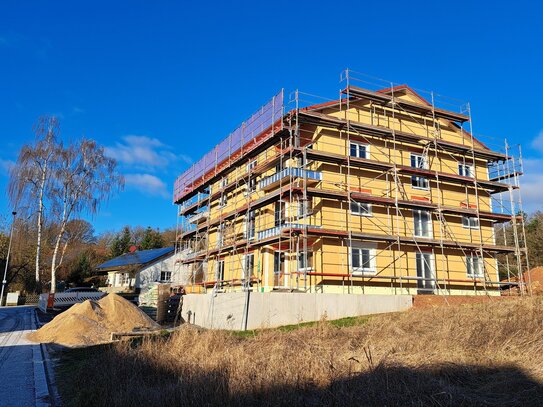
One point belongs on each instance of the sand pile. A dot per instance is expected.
(92, 322)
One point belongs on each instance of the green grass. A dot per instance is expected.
(338, 323)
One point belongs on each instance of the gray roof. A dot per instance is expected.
(136, 258)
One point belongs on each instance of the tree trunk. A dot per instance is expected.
(57, 243)
(40, 219)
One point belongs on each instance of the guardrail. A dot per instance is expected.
(288, 172)
(68, 299)
(277, 229)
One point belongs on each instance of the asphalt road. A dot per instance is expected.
(17, 387)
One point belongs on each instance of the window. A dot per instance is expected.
(224, 182)
(123, 279)
(425, 272)
(465, 170)
(251, 186)
(419, 161)
(220, 235)
(362, 260)
(278, 267)
(219, 275)
(474, 266)
(250, 225)
(223, 201)
(251, 165)
(361, 209)
(248, 266)
(305, 208)
(419, 182)
(305, 261)
(470, 222)
(165, 276)
(422, 223)
(359, 150)
(279, 213)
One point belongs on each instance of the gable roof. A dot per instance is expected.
(137, 258)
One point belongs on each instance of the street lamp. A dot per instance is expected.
(4, 281)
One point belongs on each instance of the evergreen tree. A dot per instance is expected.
(152, 239)
(121, 242)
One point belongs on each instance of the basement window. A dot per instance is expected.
(362, 260)
(361, 209)
(359, 150)
(474, 266)
(470, 222)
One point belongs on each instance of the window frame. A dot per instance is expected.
(418, 212)
(220, 235)
(300, 260)
(469, 225)
(462, 167)
(415, 179)
(250, 225)
(251, 165)
(245, 264)
(165, 273)
(372, 256)
(369, 209)
(357, 146)
(470, 263)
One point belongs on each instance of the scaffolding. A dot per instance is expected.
(299, 182)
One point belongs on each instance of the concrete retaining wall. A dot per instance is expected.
(242, 310)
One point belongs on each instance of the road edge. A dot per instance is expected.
(44, 391)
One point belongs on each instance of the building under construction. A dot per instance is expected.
(381, 190)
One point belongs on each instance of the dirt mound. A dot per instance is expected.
(92, 322)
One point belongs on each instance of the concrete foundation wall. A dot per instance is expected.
(240, 310)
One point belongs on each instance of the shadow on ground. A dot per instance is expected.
(99, 376)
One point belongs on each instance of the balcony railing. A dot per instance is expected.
(289, 172)
(277, 229)
(198, 217)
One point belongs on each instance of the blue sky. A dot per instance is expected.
(160, 83)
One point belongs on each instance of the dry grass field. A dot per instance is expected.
(488, 354)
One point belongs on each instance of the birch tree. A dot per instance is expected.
(83, 179)
(30, 176)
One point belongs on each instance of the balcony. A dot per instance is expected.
(198, 217)
(273, 181)
(277, 230)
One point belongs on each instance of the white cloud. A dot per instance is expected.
(537, 142)
(148, 184)
(144, 152)
(531, 185)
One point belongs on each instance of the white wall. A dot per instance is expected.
(151, 273)
(268, 310)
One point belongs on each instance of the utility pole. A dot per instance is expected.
(4, 281)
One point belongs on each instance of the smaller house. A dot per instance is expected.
(133, 272)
